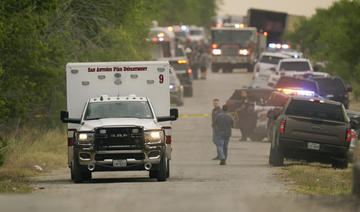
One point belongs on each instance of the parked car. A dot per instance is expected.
(333, 88)
(311, 129)
(184, 73)
(176, 89)
(268, 60)
(308, 87)
(290, 67)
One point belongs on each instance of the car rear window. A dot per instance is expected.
(295, 66)
(330, 86)
(315, 110)
(288, 82)
(270, 59)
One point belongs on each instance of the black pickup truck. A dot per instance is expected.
(312, 129)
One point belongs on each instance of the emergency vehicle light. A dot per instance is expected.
(296, 92)
(216, 51)
(244, 52)
(182, 61)
(214, 46)
(266, 34)
(161, 35)
(184, 27)
(170, 28)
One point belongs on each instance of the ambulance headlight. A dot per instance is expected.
(154, 137)
(85, 137)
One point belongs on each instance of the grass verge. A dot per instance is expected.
(31, 153)
(317, 179)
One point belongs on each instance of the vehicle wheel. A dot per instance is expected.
(188, 91)
(162, 172)
(276, 157)
(227, 70)
(256, 137)
(214, 69)
(168, 169)
(79, 173)
(341, 164)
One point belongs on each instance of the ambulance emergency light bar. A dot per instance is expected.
(297, 92)
(279, 46)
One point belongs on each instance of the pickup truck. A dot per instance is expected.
(311, 129)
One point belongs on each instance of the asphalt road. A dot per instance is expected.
(197, 183)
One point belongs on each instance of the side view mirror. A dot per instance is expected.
(349, 89)
(174, 114)
(64, 117)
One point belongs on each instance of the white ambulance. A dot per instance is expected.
(120, 118)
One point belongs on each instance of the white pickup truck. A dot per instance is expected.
(120, 118)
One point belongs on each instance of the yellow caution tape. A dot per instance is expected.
(191, 115)
(194, 115)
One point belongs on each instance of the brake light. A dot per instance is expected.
(189, 71)
(282, 126)
(348, 135)
(214, 46)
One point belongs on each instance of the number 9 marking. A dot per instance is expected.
(161, 79)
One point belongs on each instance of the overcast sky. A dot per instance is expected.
(295, 7)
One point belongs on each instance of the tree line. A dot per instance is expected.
(331, 37)
(38, 37)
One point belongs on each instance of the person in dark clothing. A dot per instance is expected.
(216, 110)
(223, 124)
(243, 114)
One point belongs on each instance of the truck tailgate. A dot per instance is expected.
(315, 130)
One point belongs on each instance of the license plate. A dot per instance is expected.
(119, 163)
(313, 146)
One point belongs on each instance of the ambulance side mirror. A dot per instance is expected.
(174, 114)
(64, 117)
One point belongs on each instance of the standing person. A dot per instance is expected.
(204, 60)
(223, 125)
(216, 110)
(243, 114)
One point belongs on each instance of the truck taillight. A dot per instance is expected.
(189, 71)
(348, 135)
(282, 126)
(168, 139)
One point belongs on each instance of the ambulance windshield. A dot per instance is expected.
(123, 109)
